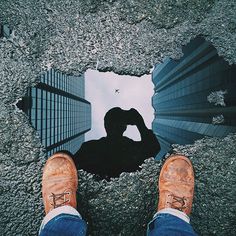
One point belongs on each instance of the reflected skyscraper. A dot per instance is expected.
(57, 109)
(194, 96)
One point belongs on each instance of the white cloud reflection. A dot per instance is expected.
(134, 92)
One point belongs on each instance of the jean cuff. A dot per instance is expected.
(57, 211)
(174, 212)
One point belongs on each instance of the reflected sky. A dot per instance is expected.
(100, 90)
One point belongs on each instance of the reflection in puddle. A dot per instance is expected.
(57, 109)
(194, 96)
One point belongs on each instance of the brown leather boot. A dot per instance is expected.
(176, 184)
(60, 182)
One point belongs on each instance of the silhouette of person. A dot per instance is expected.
(115, 153)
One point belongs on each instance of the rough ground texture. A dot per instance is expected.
(124, 206)
(127, 37)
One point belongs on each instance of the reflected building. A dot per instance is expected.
(194, 96)
(57, 109)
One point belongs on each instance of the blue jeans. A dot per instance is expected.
(167, 224)
(161, 225)
(65, 225)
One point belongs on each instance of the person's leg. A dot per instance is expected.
(176, 188)
(59, 185)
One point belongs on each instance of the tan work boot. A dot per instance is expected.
(176, 184)
(60, 182)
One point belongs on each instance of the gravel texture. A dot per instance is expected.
(125, 205)
(217, 98)
(127, 37)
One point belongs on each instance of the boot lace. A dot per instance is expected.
(181, 201)
(59, 199)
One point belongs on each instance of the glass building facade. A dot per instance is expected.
(58, 111)
(194, 96)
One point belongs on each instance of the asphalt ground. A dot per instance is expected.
(127, 38)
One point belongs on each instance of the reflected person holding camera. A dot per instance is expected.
(111, 155)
